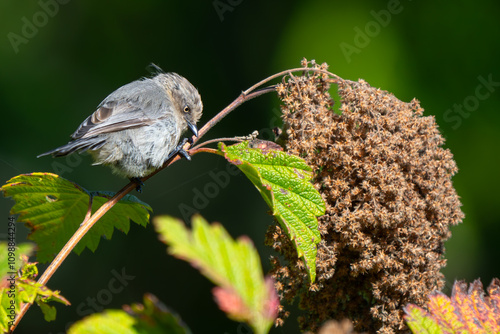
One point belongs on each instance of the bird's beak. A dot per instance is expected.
(193, 128)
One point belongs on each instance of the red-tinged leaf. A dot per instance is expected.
(466, 311)
(230, 302)
(273, 301)
(494, 303)
(233, 265)
(481, 310)
(440, 305)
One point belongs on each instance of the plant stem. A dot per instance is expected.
(216, 140)
(205, 149)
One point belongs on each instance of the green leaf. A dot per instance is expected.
(283, 180)
(53, 208)
(152, 317)
(233, 265)
(420, 322)
(19, 252)
(107, 322)
(17, 289)
(155, 318)
(11, 260)
(49, 311)
(8, 311)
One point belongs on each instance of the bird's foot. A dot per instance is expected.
(180, 150)
(138, 182)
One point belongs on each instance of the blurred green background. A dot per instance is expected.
(53, 76)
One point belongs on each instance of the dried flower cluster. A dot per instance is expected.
(386, 180)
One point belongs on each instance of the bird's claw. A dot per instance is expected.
(180, 150)
(138, 182)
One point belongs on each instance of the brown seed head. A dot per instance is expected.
(386, 180)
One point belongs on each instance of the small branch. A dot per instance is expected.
(203, 149)
(216, 140)
(244, 96)
(252, 136)
(277, 75)
(89, 210)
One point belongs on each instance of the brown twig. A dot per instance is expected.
(277, 75)
(89, 210)
(204, 149)
(89, 221)
(216, 140)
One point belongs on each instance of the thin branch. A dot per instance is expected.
(204, 149)
(277, 75)
(89, 210)
(253, 135)
(244, 96)
(216, 140)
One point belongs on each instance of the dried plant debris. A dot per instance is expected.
(386, 179)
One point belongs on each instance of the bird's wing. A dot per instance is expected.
(136, 104)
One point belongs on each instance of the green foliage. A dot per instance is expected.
(466, 311)
(283, 180)
(16, 289)
(10, 262)
(420, 322)
(107, 322)
(152, 317)
(53, 208)
(21, 251)
(233, 265)
(32, 292)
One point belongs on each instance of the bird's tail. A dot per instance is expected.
(81, 145)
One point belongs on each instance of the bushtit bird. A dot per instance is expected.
(138, 126)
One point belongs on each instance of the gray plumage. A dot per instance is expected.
(137, 126)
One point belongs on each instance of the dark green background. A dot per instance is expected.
(434, 51)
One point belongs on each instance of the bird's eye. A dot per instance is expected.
(187, 109)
